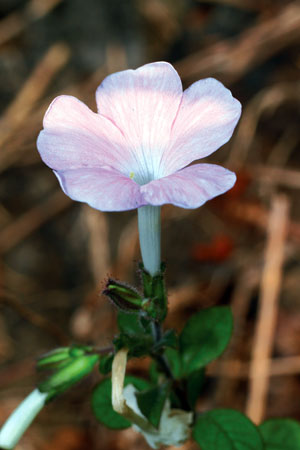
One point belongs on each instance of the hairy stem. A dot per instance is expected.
(160, 359)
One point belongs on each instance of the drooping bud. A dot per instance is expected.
(123, 296)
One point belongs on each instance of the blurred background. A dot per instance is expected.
(241, 249)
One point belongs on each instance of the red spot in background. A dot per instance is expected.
(218, 250)
(243, 180)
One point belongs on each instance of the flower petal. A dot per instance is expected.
(103, 189)
(74, 137)
(143, 103)
(205, 121)
(190, 187)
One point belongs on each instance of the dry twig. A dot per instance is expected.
(12, 25)
(256, 215)
(266, 101)
(32, 90)
(231, 59)
(269, 292)
(240, 302)
(32, 219)
(235, 369)
(33, 317)
(97, 225)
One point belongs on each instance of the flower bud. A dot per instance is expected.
(79, 350)
(53, 358)
(60, 357)
(18, 422)
(124, 297)
(69, 374)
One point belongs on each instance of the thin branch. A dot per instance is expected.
(267, 314)
(33, 317)
(31, 220)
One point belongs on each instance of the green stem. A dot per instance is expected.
(160, 359)
(178, 385)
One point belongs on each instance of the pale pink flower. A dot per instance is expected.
(136, 149)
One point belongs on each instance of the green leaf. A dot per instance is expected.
(174, 361)
(102, 407)
(106, 363)
(138, 345)
(194, 384)
(169, 339)
(133, 324)
(205, 337)
(152, 401)
(129, 323)
(279, 434)
(226, 429)
(134, 334)
(101, 402)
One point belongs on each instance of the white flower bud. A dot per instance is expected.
(18, 422)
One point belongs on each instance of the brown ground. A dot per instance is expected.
(241, 249)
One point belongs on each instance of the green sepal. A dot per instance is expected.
(174, 361)
(205, 337)
(125, 297)
(152, 401)
(281, 434)
(153, 372)
(79, 350)
(133, 324)
(61, 356)
(102, 406)
(155, 303)
(194, 385)
(135, 334)
(69, 374)
(106, 363)
(53, 358)
(138, 345)
(226, 429)
(153, 309)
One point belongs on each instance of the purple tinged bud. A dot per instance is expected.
(123, 296)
